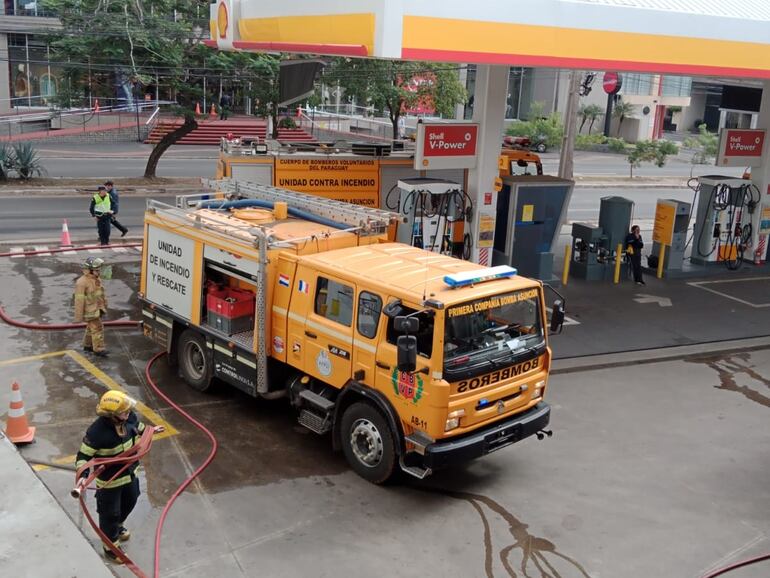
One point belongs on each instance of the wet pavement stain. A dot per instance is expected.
(727, 368)
(534, 551)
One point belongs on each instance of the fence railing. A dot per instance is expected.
(315, 122)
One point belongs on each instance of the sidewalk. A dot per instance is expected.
(39, 539)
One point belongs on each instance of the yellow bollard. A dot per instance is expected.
(567, 261)
(618, 260)
(661, 259)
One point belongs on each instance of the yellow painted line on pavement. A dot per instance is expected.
(150, 414)
(29, 358)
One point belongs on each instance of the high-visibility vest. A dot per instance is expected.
(102, 205)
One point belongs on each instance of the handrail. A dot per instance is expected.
(152, 116)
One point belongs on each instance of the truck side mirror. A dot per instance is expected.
(407, 353)
(403, 324)
(557, 316)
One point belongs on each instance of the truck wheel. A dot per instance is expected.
(194, 364)
(368, 443)
(541, 147)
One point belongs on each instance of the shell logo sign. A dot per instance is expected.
(222, 20)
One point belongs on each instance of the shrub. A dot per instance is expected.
(616, 145)
(287, 122)
(649, 151)
(6, 161)
(547, 129)
(26, 161)
(705, 145)
(668, 147)
(588, 141)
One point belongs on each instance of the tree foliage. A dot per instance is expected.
(121, 47)
(705, 145)
(650, 151)
(589, 113)
(540, 128)
(395, 87)
(621, 111)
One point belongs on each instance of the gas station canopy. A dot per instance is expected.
(688, 37)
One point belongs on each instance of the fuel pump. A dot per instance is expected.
(435, 211)
(723, 225)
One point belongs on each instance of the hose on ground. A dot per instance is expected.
(737, 565)
(62, 326)
(66, 249)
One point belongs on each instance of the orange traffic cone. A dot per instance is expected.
(213, 113)
(197, 109)
(17, 429)
(96, 105)
(65, 235)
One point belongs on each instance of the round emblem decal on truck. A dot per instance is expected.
(323, 363)
(278, 345)
(407, 385)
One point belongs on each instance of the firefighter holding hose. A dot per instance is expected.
(90, 305)
(116, 430)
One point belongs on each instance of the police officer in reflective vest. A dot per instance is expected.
(91, 304)
(101, 210)
(116, 430)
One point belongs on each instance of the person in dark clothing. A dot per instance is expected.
(115, 430)
(634, 245)
(101, 210)
(114, 202)
(225, 102)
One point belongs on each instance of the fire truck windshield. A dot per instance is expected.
(492, 332)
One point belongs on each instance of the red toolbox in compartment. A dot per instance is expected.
(230, 302)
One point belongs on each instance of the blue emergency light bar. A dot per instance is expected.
(479, 276)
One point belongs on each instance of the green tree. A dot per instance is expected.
(705, 145)
(650, 151)
(394, 87)
(589, 113)
(137, 43)
(621, 111)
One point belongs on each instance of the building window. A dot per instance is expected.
(637, 84)
(677, 86)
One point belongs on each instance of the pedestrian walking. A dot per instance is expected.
(115, 430)
(91, 305)
(225, 102)
(101, 210)
(634, 245)
(115, 205)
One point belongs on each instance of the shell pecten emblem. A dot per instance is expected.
(222, 20)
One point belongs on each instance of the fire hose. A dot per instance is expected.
(131, 456)
(66, 249)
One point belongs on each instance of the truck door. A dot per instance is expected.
(368, 314)
(406, 390)
(329, 330)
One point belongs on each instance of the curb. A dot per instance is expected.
(657, 355)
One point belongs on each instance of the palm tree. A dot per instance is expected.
(622, 110)
(588, 112)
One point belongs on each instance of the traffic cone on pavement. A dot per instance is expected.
(65, 235)
(96, 105)
(213, 113)
(197, 109)
(17, 429)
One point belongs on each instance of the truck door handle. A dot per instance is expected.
(311, 335)
(382, 365)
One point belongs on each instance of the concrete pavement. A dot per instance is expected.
(39, 539)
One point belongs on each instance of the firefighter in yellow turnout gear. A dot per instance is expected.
(90, 305)
(116, 430)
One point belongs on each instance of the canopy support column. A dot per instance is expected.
(489, 112)
(760, 176)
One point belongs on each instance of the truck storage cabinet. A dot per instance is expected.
(230, 310)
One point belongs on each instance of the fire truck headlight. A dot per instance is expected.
(453, 419)
(537, 389)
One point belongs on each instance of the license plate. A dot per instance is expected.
(502, 438)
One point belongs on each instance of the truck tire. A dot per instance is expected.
(194, 363)
(368, 443)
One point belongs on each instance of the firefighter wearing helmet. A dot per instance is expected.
(91, 305)
(116, 430)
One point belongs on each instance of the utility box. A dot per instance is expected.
(531, 210)
(672, 219)
(588, 261)
(615, 220)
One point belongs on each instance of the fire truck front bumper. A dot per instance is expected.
(486, 440)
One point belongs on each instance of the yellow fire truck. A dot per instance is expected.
(410, 359)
